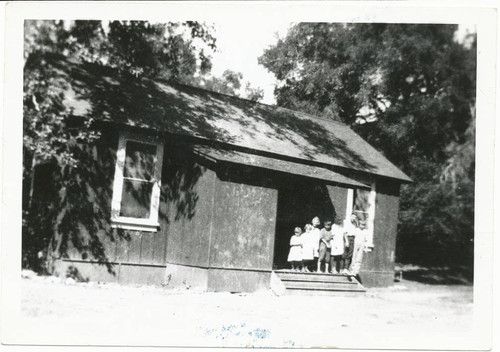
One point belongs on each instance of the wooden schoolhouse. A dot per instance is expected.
(191, 188)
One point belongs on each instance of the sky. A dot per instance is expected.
(240, 43)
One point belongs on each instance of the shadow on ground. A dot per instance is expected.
(438, 276)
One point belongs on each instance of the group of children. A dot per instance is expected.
(337, 248)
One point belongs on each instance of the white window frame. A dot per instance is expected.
(371, 211)
(129, 223)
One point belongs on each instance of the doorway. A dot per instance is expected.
(298, 203)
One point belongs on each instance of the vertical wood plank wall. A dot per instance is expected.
(127, 256)
(338, 196)
(243, 230)
(378, 265)
(215, 231)
(211, 231)
(243, 226)
(188, 234)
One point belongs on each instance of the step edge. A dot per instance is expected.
(333, 286)
(339, 277)
(308, 274)
(355, 289)
(325, 290)
(323, 282)
(319, 276)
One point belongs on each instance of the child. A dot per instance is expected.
(351, 229)
(315, 236)
(307, 248)
(295, 255)
(325, 246)
(337, 247)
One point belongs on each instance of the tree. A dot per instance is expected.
(138, 48)
(230, 83)
(410, 91)
(254, 94)
(135, 49)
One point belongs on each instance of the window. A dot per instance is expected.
(136, 188)
(362, 203)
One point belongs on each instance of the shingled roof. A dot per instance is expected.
(96, 91)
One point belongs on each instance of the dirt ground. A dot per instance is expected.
(407, 315)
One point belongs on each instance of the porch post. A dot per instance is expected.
(348, 210)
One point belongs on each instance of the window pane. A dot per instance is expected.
(136, 199)
(362, 216)
(140, 160)
(361, 200)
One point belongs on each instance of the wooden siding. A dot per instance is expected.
(87, 270)
(185, 213)
(207, 220)
(338, 197)
(139, 247)
(378, 265)
(221, 226)
(83, 228)
(140, 274)
(221, 280)
(124, 273)
(186, 276)
(188, 193)
(243, 226)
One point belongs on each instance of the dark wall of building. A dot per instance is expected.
(242, 230)
(338, 195)
(83, 228)
(211, 216)
(187, 208)
(243, 226)
(378, 265)
(222, 226)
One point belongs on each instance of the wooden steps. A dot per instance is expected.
(318, 283)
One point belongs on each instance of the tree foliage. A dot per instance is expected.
(410, 91)
(170, 51)
(230, 83)
(136, 49)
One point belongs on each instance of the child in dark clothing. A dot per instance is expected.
(337, 247)
(325, 246)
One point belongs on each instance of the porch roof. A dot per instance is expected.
(285, 166)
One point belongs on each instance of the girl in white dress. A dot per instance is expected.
(307, 248)
(295, 255)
